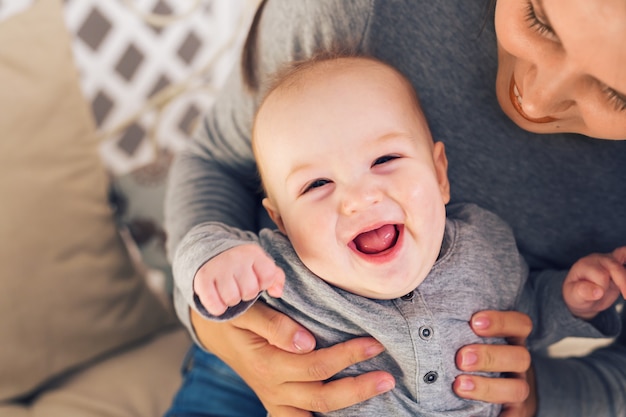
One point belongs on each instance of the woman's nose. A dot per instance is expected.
(358, 197)
(548, 90)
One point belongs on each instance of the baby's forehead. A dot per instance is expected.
(311, 84)
(308, 78)
(310, 73)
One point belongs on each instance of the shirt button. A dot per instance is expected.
(431, 377)
(408, 297)
(425, 332)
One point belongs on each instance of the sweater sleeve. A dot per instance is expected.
(200, 245)
(542, 299)
(593, 385)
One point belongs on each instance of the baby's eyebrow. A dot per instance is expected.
(392, 137)
(294, 171)
(297, 168)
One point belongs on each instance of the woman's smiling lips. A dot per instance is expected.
(516, 100)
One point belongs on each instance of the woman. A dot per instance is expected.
(557, 67)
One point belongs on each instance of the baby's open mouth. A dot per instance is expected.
(377, 240)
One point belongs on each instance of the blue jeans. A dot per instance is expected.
(211, 389)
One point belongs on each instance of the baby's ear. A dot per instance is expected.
(441, 167)
(274, 214)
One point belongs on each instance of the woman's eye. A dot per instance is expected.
(315, 184)
(618, 100)
(384, 159)
(535, 23)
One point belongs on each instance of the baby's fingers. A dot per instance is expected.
(204, 286)
(212, 301)
(586, 291)
(276, 290)
(617, 269)
(231, 290)
(269, 276)
(620, 255)
(619, 278)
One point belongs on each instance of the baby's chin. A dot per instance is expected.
(386, 290)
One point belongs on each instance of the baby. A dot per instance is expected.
(369, 246)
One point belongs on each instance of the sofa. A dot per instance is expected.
(84, 329)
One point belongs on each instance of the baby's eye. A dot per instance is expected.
(384, 159)
(320, 182)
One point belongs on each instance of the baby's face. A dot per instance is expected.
(353, 178)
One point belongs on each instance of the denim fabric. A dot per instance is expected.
(211, 389)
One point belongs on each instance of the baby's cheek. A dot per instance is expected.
(310, 240)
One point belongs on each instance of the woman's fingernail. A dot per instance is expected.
(303, 342)
(480, 322)
(385, 385)
(469, 358)
(466, 384)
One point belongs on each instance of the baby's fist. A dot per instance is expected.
(238, 274)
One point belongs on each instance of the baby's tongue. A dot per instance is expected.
(377, 240)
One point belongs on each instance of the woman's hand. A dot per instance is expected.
(275, 356)
(517, 392)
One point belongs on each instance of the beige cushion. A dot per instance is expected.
(68, 290)
(138, 382)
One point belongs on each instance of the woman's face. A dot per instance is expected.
(562, 65)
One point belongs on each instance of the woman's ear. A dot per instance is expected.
(441, 168)
(274, 214)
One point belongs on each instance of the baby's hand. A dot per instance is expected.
(239, 274)
(595, 282)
